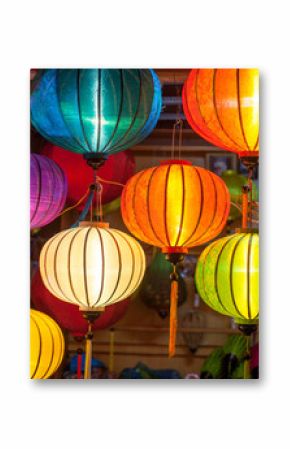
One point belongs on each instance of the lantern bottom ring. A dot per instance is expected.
(95, 160)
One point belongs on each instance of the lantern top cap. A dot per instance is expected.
(175, 162)
(94, 224)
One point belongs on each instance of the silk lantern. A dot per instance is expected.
(222, 106)
(118, 168)
(48, 190)
(155, 290)
(46, 345)
(92, 266)
(175, 206)
(227, 277)
(96, 112)
(67, 315)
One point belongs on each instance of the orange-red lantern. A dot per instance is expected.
(222, 106)
(175, 206)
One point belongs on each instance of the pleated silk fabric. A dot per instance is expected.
(96, 110)
(175, 205)
(91, 266)
(227, 276)
(48, 190)
(222, 106)
(46, 345)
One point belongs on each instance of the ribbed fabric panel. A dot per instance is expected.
(91, 266)
(46, 345)
(175, 205)
(227, 276)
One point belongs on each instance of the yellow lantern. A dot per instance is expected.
(46, 345)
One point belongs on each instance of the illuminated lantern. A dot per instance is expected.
(155, 289)
(235, 182)
(46, 345)
(48, 190)
(96, 112)
(175, 206)
(92, 266)
(118, 168)
(68, 316)
(227, 278)
(222, 106)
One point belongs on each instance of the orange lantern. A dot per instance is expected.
(175, 206)
(222, 106)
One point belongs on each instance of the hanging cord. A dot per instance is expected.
(112, 348)
(173, 311)
(250, 184)
(89, 346)
(247, 359)
(180, 138)
(75, 205)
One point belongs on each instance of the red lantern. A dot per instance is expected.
(118, 168)
(68, 315)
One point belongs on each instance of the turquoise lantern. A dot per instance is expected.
(96, 112)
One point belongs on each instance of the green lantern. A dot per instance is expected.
(227, 277)
(96, 112)
(234, 182)
(155, 288)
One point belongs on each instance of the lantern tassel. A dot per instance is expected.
(245, 203)
(173, 312)
(247, 373)
(88, 362)
(111, 355)
(79, 363)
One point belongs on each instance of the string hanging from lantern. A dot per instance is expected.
(112, 349)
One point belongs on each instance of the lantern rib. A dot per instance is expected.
(47, 372)
(99, 111)
(183, 205)
(142, 269)
(236, 146)
(248, 274)
(165, 203)
(39, 187)
(80, 111)
(55, 263)
(239, 109)
(51, 182)
(119, 266)
(193, 123)
(214, 211)
(73, 138)
(215, 276)
(103, 267)
(147, 210)
(120, 110)
(85, 265)
(122, 295)
(69, 265)
(189, 239)
(233, 252)
(32, 376)
(119, 143)
(45, 249)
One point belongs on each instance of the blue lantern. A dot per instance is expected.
(96, 112)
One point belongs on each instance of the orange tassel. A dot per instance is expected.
(173, 317)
